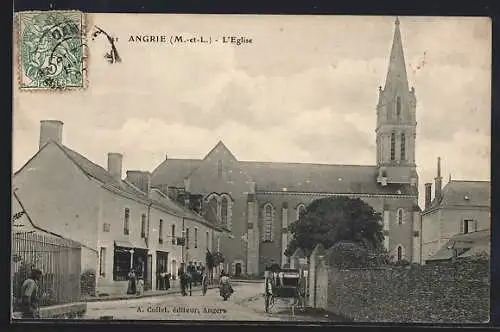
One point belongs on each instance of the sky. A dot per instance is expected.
(304, 90)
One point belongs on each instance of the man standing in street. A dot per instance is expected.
(30, 295)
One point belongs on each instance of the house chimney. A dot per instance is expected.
(115, 165)
(438, 181)
(50, 130)
(428, 193)
(141, 180)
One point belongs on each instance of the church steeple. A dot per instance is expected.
(396, 120)
(396, 74)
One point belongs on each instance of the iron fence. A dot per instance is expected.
(59, 260)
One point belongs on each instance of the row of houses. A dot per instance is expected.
(121, 221)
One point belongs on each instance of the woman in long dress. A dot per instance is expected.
(132, 284)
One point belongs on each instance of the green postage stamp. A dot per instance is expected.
(51, 50)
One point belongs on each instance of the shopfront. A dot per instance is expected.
(161, 266)
(128, 256)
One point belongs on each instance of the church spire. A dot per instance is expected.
(396, 74)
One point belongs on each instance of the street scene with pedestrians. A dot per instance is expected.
(331, 205)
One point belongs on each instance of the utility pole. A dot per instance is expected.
(183, 245)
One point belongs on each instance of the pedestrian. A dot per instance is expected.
(167, 281)
(160, 279)
(30, 295)
(182, 279)
(132, 282)
(204, 283)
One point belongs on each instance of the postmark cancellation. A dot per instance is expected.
(51, 50)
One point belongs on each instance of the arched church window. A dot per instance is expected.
(268, 223)
(403, 146)
(300, 210)
(400, 216)
(219, 169)
(224, 210)
(400, 253)
(212, 206)
(393, 146)
(398, 107)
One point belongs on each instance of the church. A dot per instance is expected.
(256, 201)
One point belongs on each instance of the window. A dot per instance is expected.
(207, 240)
(400, 253)
(187, 238)
(102, 262)
(173, 234)
(393, 146)
(121, 266)
(196, 237)
(126, 219)
(469, 226)
(219, 169)
(224, 211)
(268, 223)
(213, 214)
(143, 225)
(160, 232)
(398, 108)
(300, 210)
(403, 146)
(400, 216)
(106, 227)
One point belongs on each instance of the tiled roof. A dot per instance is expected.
(465, 193)
(301, 177)
(175, 207)
(298, 177)
(93, 170)
(102, 175)
(475, 242)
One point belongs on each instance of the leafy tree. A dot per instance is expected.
(336, 219)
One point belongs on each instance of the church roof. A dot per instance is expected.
(302, 177)
(292, 177)
(464, 193)
(174, 171)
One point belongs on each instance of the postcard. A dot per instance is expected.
(257, 168)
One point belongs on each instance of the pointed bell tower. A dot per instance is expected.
(396, 121)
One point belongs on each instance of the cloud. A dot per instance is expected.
(305, 90)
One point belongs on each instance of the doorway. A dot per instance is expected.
(149, 276)
(161, 266)
(237, 272)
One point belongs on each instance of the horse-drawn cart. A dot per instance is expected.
(283, 285)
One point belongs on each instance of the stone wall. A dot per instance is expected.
(448, 293)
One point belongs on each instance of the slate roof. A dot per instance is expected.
(173, 171)
(474, 242)
(99, 173)
(464, 193)
(295, 177)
